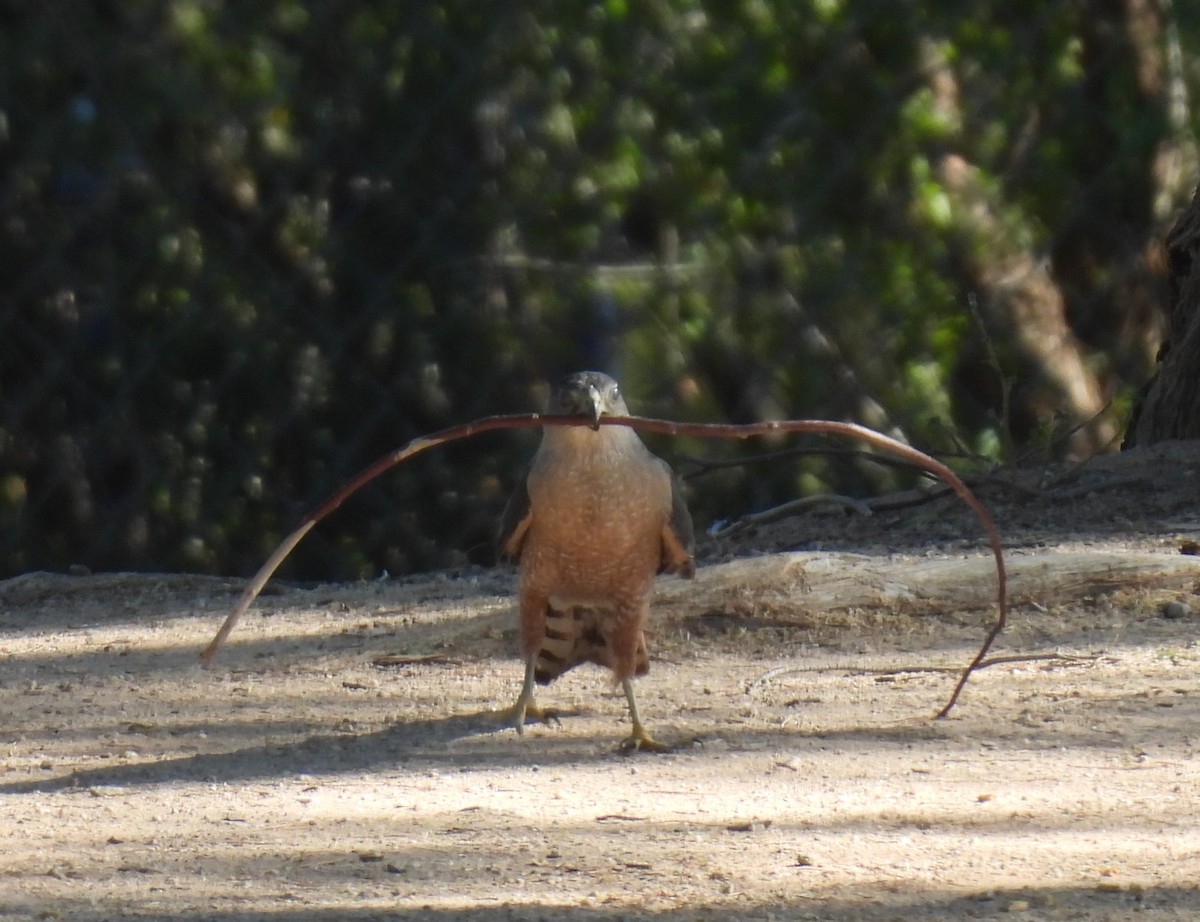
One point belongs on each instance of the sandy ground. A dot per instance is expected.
(339, 762)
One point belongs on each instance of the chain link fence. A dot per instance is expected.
(248, 248)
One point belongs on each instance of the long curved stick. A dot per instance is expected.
(647, 424)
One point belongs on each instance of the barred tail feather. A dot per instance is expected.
(577, 634)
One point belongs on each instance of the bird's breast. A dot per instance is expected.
(596, 527)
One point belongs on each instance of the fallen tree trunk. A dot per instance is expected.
(816, 582)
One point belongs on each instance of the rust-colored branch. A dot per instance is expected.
(665, 427)
(360, 480)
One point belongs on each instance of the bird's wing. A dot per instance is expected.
(514, 523)
(678, 535)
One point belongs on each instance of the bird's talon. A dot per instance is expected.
(519, 715)
(539, 715)
(641, 741)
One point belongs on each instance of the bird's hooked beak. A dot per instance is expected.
(595, 406)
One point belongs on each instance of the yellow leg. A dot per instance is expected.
(639, 739)
(524, 708)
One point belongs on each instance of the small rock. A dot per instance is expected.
(1176, 610)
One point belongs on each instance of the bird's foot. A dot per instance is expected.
(523, 712)
(640, 740)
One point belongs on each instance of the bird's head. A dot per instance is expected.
(588, 393)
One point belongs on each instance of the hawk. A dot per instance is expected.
(593, 523)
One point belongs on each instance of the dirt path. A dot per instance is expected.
(299, 780)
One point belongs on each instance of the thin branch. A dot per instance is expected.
(920, 496)
(790, 669)
(791, 508)
(1006, 382)
(646, 424)
(1063, 436)
(360, 480)
(707, 465)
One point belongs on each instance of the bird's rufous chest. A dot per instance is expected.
(597, 517)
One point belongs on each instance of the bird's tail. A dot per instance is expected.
(581, 634)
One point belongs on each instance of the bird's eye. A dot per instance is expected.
(616, 392)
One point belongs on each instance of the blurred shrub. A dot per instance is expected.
(249, 247)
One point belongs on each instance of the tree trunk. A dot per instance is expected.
(1169, 406)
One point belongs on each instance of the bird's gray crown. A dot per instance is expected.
(587, 393)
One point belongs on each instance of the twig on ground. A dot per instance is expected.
(905, 499)
(906, 670)
(793, 507)
(706, 465)
(411, 659)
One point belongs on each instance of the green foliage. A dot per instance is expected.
(252, 246)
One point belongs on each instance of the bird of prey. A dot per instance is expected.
(595, 520)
